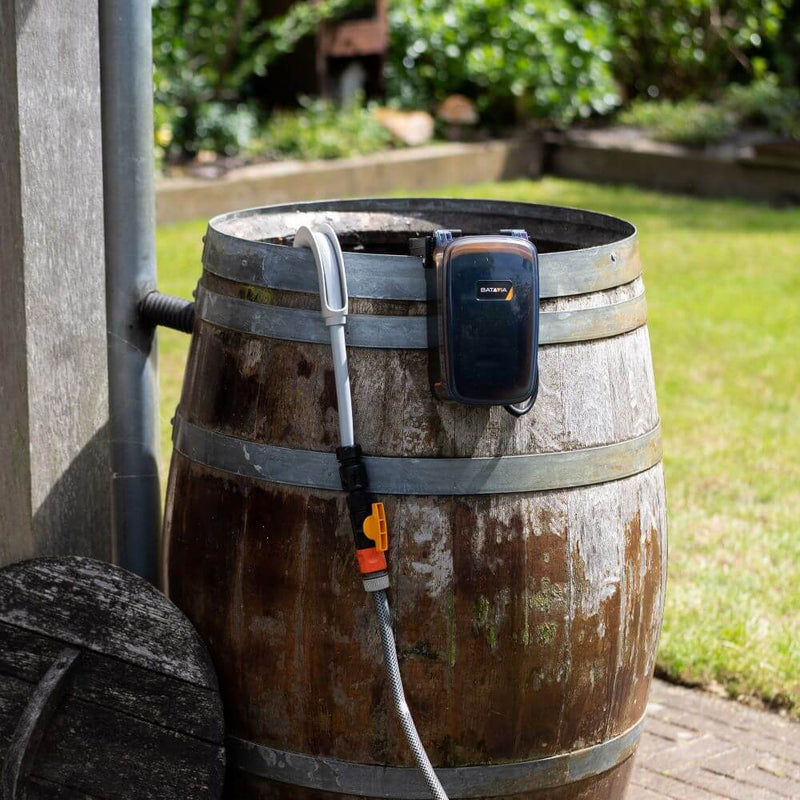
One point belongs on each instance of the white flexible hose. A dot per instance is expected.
(333, 298)
(342, 376)
(398, 695)
(329, 260)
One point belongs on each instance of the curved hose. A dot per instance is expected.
(399, 697)
(333, 302)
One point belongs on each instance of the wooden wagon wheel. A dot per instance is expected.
(106, 691)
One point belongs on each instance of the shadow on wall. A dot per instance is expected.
(75, 517)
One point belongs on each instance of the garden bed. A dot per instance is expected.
(410, 170)
(746, 167)
(751, 167)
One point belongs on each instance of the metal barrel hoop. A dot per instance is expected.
(605, 254)
(403, 332)
(421, 476)
(404, 783)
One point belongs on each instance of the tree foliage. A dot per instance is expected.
(675, 48)
(556, 60)
(207, 51)
(540, 58)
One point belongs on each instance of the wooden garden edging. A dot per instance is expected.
(410, 171)
(673, 169)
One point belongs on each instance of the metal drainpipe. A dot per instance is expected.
(126, 71)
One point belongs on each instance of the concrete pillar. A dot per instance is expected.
(54, 465)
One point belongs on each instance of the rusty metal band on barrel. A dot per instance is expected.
(421, 476)
(403, 333)
(395, 277)
(484, 780)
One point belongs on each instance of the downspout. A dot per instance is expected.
(126, 71)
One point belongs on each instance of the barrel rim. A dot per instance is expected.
(573, 271)
(417, 204)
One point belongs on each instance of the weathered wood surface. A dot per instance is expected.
(54, 484)
(526, 623)
(354, 37)
(140, 715)
(279, 392)
(33, 723)
(542, 610)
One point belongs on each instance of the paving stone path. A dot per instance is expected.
(699, 747)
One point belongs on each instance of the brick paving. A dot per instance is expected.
(699, 747)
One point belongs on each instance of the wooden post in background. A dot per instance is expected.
(54, 467)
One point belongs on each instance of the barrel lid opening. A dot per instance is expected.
(384, 225)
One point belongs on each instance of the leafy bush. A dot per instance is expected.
(675, 48)
(687, 122)
(766, 102)
(556, 60)
(539, 58)
(322, 130)
(205, 52)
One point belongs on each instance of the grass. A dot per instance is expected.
(723, 287)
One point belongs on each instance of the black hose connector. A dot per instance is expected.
(353, 474)
(367, 517)
(168, 311)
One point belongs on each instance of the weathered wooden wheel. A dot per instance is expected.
(527, 557)
(106, 691)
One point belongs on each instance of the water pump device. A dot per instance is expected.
(487, 298)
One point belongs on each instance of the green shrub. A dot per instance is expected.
(225, 129)
(686, 122)
(675, 48)
(765, 102)
(206, 51)
(558, 60)
(322, 130)
(538, 58)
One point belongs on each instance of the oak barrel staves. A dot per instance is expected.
(527, 556)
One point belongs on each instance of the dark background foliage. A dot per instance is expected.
(550, 60)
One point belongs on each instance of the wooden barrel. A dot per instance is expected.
(106, 691)
(527, 556)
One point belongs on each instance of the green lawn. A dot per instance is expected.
(723, 286)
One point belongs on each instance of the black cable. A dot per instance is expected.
(520, 409)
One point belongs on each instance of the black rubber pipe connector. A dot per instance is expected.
(168, 311)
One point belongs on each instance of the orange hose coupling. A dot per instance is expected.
(372, 559)
(368, 518)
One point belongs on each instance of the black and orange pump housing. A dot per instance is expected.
(488, 317)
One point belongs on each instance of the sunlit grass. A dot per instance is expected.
(723, 288)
